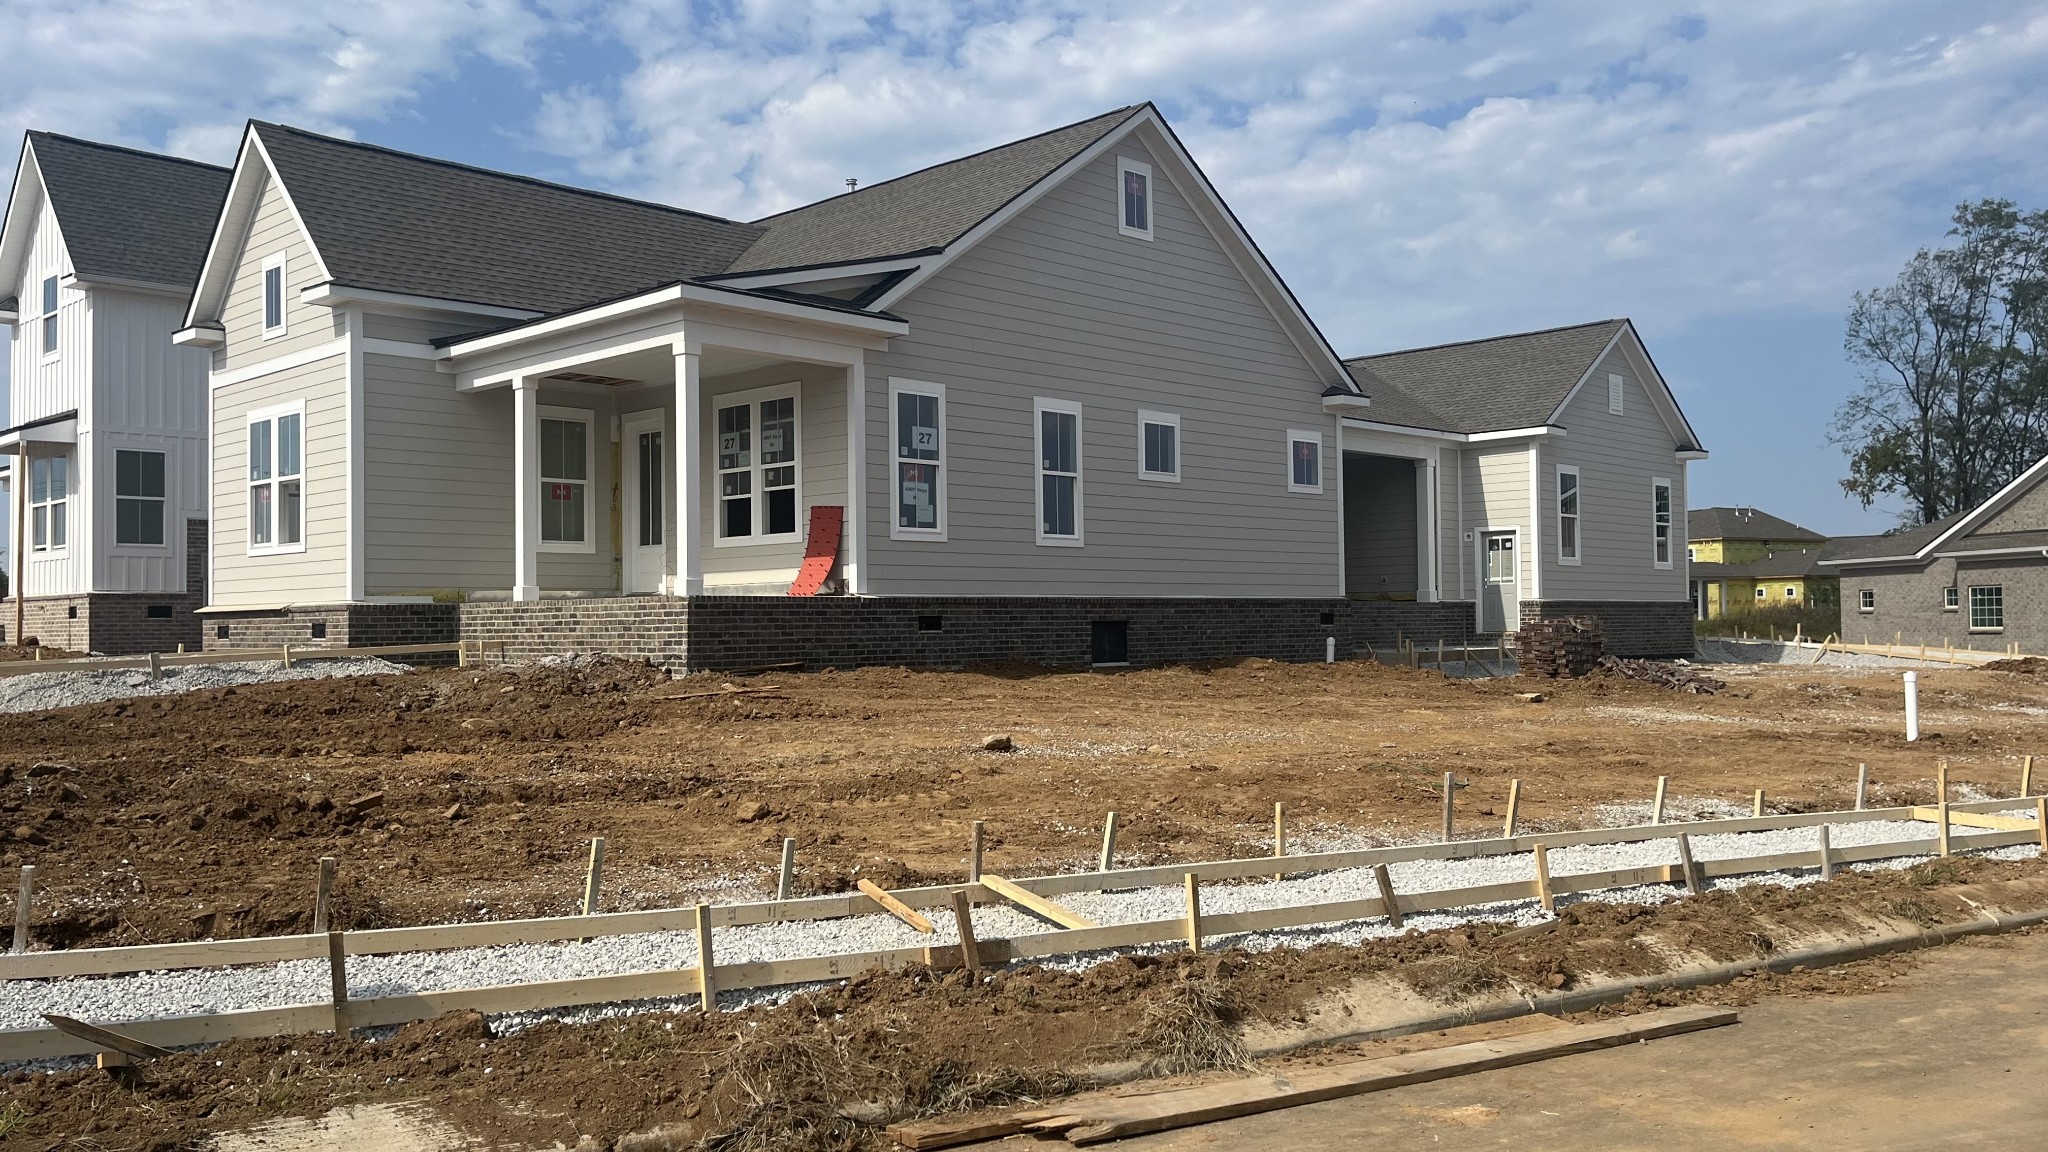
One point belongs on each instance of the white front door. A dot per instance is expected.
(1500, 598)
(644, 490)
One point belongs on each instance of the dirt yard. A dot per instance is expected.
(179, 817)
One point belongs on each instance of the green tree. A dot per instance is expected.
(1954, 360)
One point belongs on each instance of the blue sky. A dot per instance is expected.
(1727, 174)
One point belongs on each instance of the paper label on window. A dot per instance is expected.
(924, 439)
(918, 495)
(562, 493)
(771, 440)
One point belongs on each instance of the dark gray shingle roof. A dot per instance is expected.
(1486, 385)
(395, 222)
(1903, 543)
(1744, 524)
(923, 211)
(130, 215)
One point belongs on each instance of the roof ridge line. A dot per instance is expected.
(1128, 109)
(1488, 339)
(143, 152)
(502, 175)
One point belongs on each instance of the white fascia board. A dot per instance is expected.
(284, 363)
(23, 201)
(238, 207)
(1984, 511)
(2032, 550)
(805, 275)
(74, 280)
(1343, 403)
(9, 316)
(1695, 454)
(680, 294)
(1541, 432)
(333, 295)
(200, 336)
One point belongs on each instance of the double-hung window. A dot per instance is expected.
(277, 484)
(273, 296)
(1987, 607)
(1567, 514)
(1660, 522)
(1949, 598)
(1059, 471)
(1159, 446)
(1304, 461)
(49, 316)
(757, 468)
(1866, 600)
(1134, 198)
(49, 497)
(138, 497)
(917, 432)
(565, 505)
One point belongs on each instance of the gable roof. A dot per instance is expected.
(924, 211)
(1744, 524)
(126, 215)
(1951, 534)
(391, 221)
(1488, 385)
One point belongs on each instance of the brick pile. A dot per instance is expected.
(1570, 646)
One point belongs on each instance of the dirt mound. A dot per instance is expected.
(2025, 666)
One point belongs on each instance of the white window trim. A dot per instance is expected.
(70, 490)
(1975, 628)
(1671, 529)
(1951, 598)
(1125, 164)
(1866, 599)
(278, 261)
(1617, 389)
(1296, 436)
(1172, 420)
(791, 392)
(249, 420)
(1762, 593)
(898, 386)
(1040, 405)
(164, 502)
(587, 545)
(44, 318)
(1791, 592)
(1578, 518)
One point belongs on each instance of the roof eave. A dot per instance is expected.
(681, 292)
(330, 294)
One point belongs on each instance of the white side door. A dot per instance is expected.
(643, 483)
(1500, 598)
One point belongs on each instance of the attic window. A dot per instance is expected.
(273, 296)
(1615, 388)
(1134, 198)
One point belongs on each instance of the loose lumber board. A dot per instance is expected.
(112, 1041)
(1033, 903)
(893, 906)
(1977, 820)
(1092, 1120)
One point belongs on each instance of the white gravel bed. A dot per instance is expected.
(112, 999)
(42, 691)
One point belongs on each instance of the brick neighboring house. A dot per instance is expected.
(1976, 579)
(106, 422)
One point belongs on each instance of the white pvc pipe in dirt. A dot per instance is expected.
(1912, 706)
(1329, 650)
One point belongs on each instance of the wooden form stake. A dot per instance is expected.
(1862, 785)
(1941, 782)
(1543, 893)
(1657, 803)
(2041, 823)
(1827, 858)
(1193, 884)
(1685, 864)
(337, 975)
(963, 921)
(1756, 805)
(2026, 775)
(1108, 843)
(156, 666)
(1450, 790)
(1941, 831)
(1507, 828)
(594, 876)
(1388, 901)
(22, 897)
(975, 836)
(707, 970)
(1280, 835)
(785, 880)
(322, 893)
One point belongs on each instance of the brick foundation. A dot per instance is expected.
(121, 623)
(1653, 628)
(333, 626)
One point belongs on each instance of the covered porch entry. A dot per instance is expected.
(1390, 518)
(676, 444)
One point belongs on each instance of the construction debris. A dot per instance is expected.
(1677, 677)
(1570, 646)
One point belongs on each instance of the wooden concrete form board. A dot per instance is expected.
(234, 656)
(205, 954)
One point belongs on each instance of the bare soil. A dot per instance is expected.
(827, 1070)
(179, 817)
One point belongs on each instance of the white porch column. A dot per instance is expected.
(687, 485)
(526, 482)
(854, 544)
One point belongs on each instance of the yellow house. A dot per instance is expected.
(1743, 559)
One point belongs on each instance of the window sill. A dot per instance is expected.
(1160, 477)
(1296, 488)
(273, 333)
(933, 535)
(569, 548)
(1570, 561)
(281, 550)
(1144, 234)
(1987, 631)
(1059, 542)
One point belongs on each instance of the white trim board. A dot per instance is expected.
(285, 363)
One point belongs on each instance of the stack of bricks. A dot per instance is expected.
(1568, 647)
